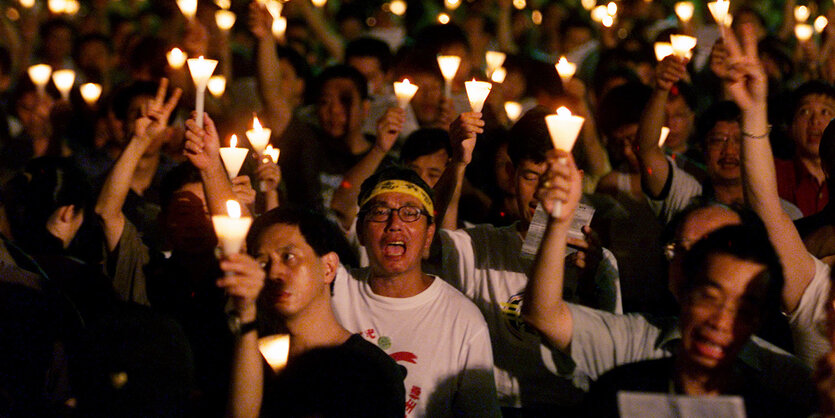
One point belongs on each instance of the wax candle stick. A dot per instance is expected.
(201, 69)
(477, 92)
(449, 66)
(564, 129)
(231, 229)
(719, 11)
(404, 91)
(233, 157)
(258, 136)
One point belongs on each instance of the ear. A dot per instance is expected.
(330, 264)
(430, 234)
(66, 213)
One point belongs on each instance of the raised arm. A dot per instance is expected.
(202, 148)
(344, 201)
(654, 166)
(543, 306)
(331, 39)
(462, 135)
(747, 84)
(277, 108)
(149, 127)
(243, 281)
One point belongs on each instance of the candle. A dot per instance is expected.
(612, 8)
(201, 69)
(225, 19)
(801, 13)
(682, 44)
(398, 7)
(452, 4)
(275, 349)
(684, 10)
(64, 80)
(499, 75)
(39, 73)
(404, 90)
(494, 60)
(28, 4)
(319, 3)
(513, 110)
(72, 7)
(449, 66)
(274, 7)
(565, 69)
(719, 11)
(258, 136)
(188, 8)
(662, 50)
(820, 23)
(90, 92)
(217, 85)
(233, 157)
(520, 4)
(803, 31)
(176, 58)
(224, 4)
(588, 4)
(272, 154)
(56, 6)
(564, 128)
(607, 21)
(477, 92)
(279, 27)
(665, 131)
(443, 18)
(598, 13)
(231, 229)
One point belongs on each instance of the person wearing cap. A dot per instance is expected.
(427, 326)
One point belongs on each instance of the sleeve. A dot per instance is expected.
(808, 321)
(607, 280)
(476, 394)
(129, 261)
(682, 189)
(458, 258)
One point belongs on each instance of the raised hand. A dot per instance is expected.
(447, 113)
(669, 71)
(268, 174)
(745, 82)
(389, 127)
(260, 20)
(243, 281)
(462, 134)
(155, 113)
(242, 187)
(562, 181)
(202, 145)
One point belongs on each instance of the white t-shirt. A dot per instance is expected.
(439, 336)
(808, 321)
(485, 263)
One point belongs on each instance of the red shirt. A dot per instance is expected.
(797, 185)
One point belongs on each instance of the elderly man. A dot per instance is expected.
(419, 320)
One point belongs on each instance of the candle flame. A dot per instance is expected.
(233, 208)
(233, 141)
(563, 111)
(256, 124)
(272, 153)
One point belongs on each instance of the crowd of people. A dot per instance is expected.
(424, 257)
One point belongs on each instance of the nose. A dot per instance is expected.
(723, 317)
(394, 222)
(277, 270)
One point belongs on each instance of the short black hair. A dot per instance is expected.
(369, 47)
(747, 241)
(318, 231)
(179, 176)
(722, 111)
(435, 38)
(826, 148)
(529, 138)
(425, 141)
(809, 88)
(411, 62)
(392, 173)
(341, 71)
(124, 95)
(623, 105)
(149, 53)
(297, 61)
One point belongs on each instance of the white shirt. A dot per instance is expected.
(438, 335)
(808, 321)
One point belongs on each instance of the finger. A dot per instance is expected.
(173, 100)
(749, 40)
(163, 87)
(734, 49)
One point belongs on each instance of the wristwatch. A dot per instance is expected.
(238, 327)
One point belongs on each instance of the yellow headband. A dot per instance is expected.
(405, 187)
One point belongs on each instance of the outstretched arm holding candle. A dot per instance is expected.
(277, 108)
(462, 134)
(148, 129)
(543, 306)
(747, 84)
(344, 201)
(202, 149)
(655, 168)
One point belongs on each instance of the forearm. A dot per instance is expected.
(247, 386)
(597, 160)
(344, 201)
(330, 38)
(448, 194)
(277, 109)
(218, 189)
(504, 31)
(654, 167)
(115, 191)
(271, 200)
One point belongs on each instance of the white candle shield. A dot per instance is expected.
(719, 11)
(176, 58)
(513, 110)
(565, 69)
(217, 85)
(494, 61)
(682, 45)
(449, 66)
(233, 157)
(404, 91)
(564, 129)
(684, 10)
(201, 70)
(662, 50)
(803, 31)
(231, 229)
(188, 8)
(665, 131)
(477, 92)
(258, 136)
(499, 75)
(39, 73)
(225, 19)
(64, 80)
(275, 349)
(90, 92)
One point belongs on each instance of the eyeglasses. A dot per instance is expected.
(383, 214)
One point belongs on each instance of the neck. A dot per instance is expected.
(144, 174)
(356, 142)
(729, 192)
(813, 165)
(694, 380)
(316, 327)
(400, 286)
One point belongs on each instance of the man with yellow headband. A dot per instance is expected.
(428, 327)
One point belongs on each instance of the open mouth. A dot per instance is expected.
(727, 163)
(708, 348)
(394, 249)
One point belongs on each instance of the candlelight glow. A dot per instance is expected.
(39, 73)
(682, 44)
(665, 131)
(477, 92)
(684, 10)
(398, 7)
(803, 31)
(598, 13)
(443, 18)
(520, 4)
(536, 17)
(90, 92)
(494, 60)
(279, 27)
(452, 4)
(565, 69)
(233, 141)
(56, 6)
(258, 136)
(233, 157)
(275, 349)
(820, 23)
(273, 153)
(588, 4)
(71, 7)
(233, 208)
(319, 3)
(662, 50)
(449, 65)
(801, 13)
(201, 69)
(513, 110)
(719, 10)
(499, 75)
(176, 58)
(27, 3)
(225, 19)
(274, 7)
(224, 4)
(64, 80)
(404, 91)
(188, 8)
(217, 85)
(231, 229)
(607, 21)
(564, 129)
(612, 8)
